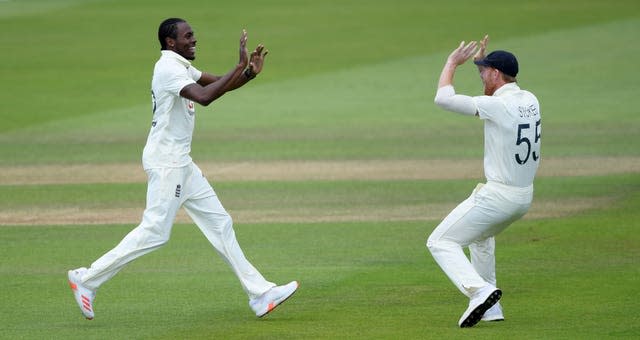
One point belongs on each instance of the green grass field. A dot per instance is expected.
(345, 81)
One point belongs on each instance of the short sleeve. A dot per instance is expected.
(195, 73)
(176, 77)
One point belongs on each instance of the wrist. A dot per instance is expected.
(248, 73)
(451, 64)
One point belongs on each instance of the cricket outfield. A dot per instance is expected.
(335, 164)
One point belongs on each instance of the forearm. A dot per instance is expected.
(239, 81)
(214, 87)
(446, 96)
(446, 76)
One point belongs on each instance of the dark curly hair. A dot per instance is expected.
(168, 29)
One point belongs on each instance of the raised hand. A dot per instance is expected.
(461, 54)
(256, 60)
(244, 59)
(483, 47)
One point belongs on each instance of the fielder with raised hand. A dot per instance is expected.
(512, 131)
(174, 181)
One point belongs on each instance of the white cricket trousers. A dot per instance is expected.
(169, 189)
(489, 209)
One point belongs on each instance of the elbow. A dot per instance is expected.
(444, 96)
(205, 101)
(442, 102)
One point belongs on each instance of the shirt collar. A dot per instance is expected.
(176, 56)
(508, 87)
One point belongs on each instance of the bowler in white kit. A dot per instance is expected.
(512, 130)
(174, 181)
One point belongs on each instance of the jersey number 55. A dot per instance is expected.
(523, 139)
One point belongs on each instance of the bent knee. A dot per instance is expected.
(226, 220)
(431, 243)
(435, 244)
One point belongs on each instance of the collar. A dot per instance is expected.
(176, 56)
(506, 88)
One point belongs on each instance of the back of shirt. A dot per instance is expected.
(512, 130)
(169, 141)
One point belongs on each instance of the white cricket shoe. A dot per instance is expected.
(480, 302)
(84, 296)
(494, 313)
(268, 301)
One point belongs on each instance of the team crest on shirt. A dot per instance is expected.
(191, 107)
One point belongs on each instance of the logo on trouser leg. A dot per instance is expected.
(178, 188)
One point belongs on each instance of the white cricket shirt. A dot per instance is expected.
(169, 141)
(512, 129)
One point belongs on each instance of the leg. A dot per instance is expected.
(473, 223)
(484, 261)
(204, 207)
(216, 224)
(483, 258)
(153, 231)
(479, 217)
(446, 242)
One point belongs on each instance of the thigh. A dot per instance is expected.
(163, 196)
(208, 213)
(197, 186)
(474, 219)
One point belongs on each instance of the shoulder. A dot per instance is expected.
(490, 107)
(529, 94)
(488, 101)
(168, 65)
(522, 97)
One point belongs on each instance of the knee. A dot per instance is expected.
(227, 222)
(158, 236)
(222, 223)
(438, 245)
(432, 243)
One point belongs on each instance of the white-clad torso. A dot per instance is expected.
(512, 129)
(169, 140)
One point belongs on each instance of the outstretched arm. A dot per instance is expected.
(458, 57)
(209, 87)
(446, 96)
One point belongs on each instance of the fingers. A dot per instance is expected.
(243, 37)
(468, 50)
(463, 52)
(484, 41)
(483, 46)
(463, 48)
(259, 51)
(471, 46)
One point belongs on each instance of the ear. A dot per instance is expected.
(496, 73)
(171, 43)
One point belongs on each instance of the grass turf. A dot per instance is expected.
(365, 280)
(344, 80)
